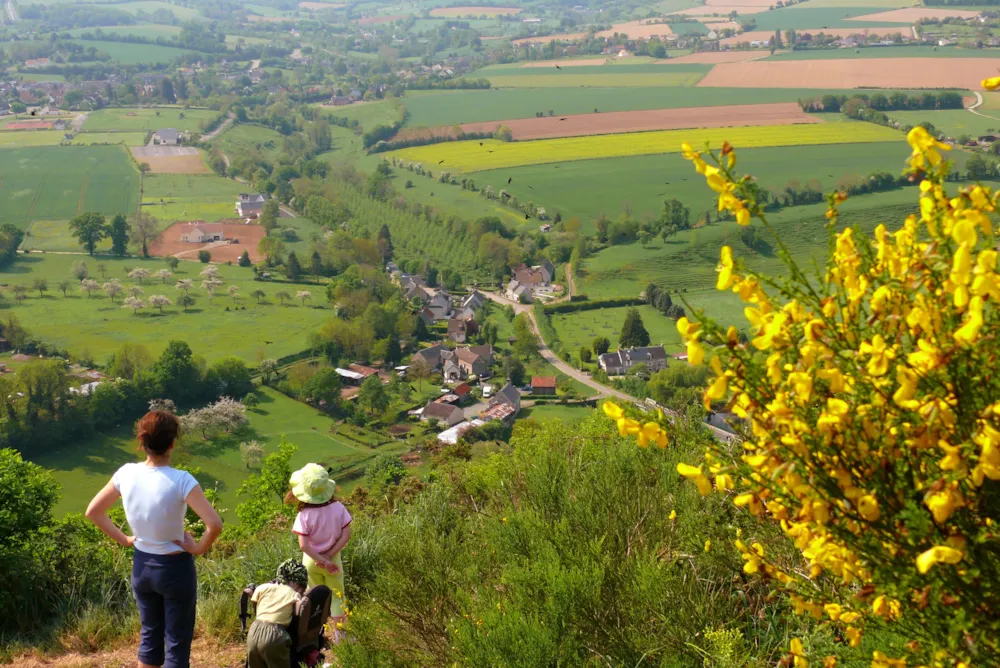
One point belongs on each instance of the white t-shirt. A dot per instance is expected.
(155, 504)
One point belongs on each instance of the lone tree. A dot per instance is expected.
(64, 286)
(244, 260)
(41, 285)
(634, 334)
(164, 275)
(384, 243)
(185, 301)
(303, 295)
(282, 296)
(233, 291)
(210, 285)
(89, 286)
(89, 229)
(259, 295)
(119, 231)
(138, 274)
(159, 301)
(292, 267)
(102, 269)
(172, 262)
(601, 345)
(145, 230)
(252, 453)
(133, 303)
(268, 217)
(80, 271)
(20, 292)
(184, 285)
(204, 256)
(113, 288)
(373, 396)
(418, 371)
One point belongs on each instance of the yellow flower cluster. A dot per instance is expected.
(873, 416)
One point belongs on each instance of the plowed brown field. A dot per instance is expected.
(724, 7)
(375, 20)
(638, 29)
(568, 37)
(913, 14)
(580, 125)
(911, 73)
(241, 238)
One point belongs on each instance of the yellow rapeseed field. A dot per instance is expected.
(470, 156)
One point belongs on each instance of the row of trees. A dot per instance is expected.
(91, 228)
(897, 101)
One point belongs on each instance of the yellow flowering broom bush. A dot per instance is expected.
(872, 403)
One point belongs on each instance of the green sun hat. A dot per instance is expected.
(292, 571)
(312, 484)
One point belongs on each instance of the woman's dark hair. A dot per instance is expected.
(299, 505)
(157, 431)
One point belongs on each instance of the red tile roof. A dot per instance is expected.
(543, 381)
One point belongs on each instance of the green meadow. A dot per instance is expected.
(29, 138)
(579, 329)
(83, 468)
(96, 327)
(242, 138)
(589, 188)
(870, 52)
(60, 182)
(147, 119)
(124, 138)
(952, 122)
(810, 18)
(128, 53)
(151, 31)
(433, 108)
(171, 197)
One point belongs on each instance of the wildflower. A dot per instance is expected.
(798, 654)
(938, 554)
(708, 545)
(942, 504)
(673, 515)
(652, 433)
(868, 508)
(694, 473)
(725, 269)
(992, 83)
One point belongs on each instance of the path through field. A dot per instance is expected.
(217, 131)
(979, 103)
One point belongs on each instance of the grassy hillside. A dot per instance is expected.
(96, 327)
(148, 119)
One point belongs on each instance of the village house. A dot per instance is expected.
(518, 293)
(200, 232)
(249, 205)
(475, 361)
(440, 305)
(543, 384)
(474, 300)
(458, 330)
(167, 137)
(431, 356)
(442, 412)
(504, 405)
(355, 374)
(619, 362)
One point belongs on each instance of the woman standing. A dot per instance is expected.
(156, 497)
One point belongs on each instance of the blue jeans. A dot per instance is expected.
(166, 589)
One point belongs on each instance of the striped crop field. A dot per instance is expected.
(475, 156)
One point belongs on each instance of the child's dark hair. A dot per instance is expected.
(299, 505)
(157, 431)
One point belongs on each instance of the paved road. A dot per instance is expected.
(11, 11)
(553, 359)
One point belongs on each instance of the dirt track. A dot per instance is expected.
(910, 73)
(784, 113)
(714, 57)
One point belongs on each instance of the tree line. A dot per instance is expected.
(897, 101)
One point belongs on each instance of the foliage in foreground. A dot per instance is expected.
(574, 549)
(873, 420)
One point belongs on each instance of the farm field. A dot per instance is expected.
(97, 327)
(607, 79)
(85, 468)
(320, 6)
(28, 138)
(431, 109)
(911, 15)
(150, 6)
(870, 52)
(469, 156)
(171, 197)
(787, 113)
(128, 53)
(244, 237)
(589, 188)
(810, 18)
(59, 182)
(688, 262)
(474, 10)
(567, 413)
(582, 327)
(891, 72)
(713, 57)
(150, 31)
(55, 235)
(148, 119)
(171, 159)
(125, 138)
(241, 138)
(953, 122)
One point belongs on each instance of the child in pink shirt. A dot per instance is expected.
(323, 527)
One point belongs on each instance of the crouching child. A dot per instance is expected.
(269, 644)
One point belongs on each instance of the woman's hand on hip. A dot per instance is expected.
(129, 540)
(190, 545)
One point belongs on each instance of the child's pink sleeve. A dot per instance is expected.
(347, 519)
(301, 525)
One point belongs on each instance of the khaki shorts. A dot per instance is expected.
(268, 646)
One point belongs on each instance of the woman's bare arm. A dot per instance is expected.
(213, 523)
(97, 512)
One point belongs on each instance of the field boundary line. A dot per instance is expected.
(34, 200)
(83, 193)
